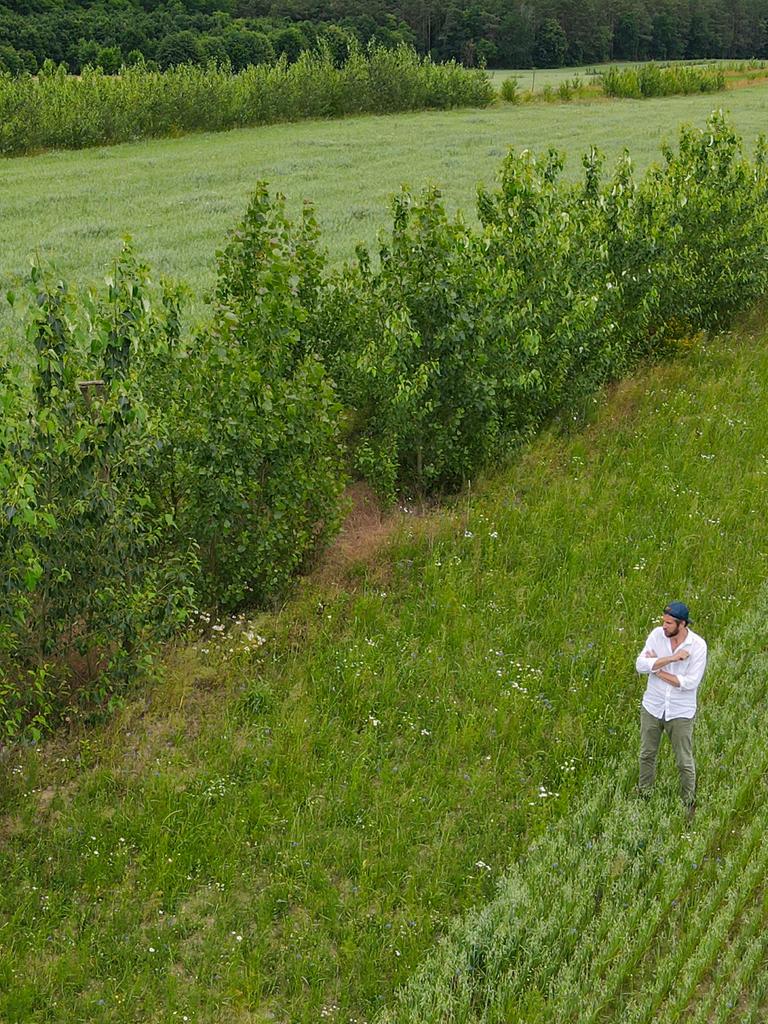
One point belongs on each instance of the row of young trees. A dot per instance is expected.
(57, 110)
(503, 33)
(146, 472)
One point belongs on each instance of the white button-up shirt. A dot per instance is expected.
(661, 699)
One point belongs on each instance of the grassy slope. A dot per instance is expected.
(282, 829)
(625, 912)
(179, 197)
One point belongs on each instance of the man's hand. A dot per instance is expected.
(680, 655)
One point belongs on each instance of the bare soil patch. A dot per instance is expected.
(369, 524)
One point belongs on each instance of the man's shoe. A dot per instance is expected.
(690, 810)
(642, 794)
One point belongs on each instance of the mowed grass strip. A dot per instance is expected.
(178, 198)
(283, 828)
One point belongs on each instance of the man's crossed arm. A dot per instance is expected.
(658, 666)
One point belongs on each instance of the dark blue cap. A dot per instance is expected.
(678, 610)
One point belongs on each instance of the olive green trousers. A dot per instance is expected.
(680, 733)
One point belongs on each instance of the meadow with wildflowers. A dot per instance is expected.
(296, 822)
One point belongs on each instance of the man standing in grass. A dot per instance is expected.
(674, 658)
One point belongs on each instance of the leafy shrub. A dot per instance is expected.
(289, 42)
(110, 59)
(462, 343)
(570, 87)
(709, 208)
(509, 90)
(244, 47)
(178, 48)
(259, 470)
(93, 571)
(10, 60)
(143, 473)
(339, 42)
(418, 351)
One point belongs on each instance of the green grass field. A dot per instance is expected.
(537, 79)
(296, 822)
(285, 826)
(177, 198)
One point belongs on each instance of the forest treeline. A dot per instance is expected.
(502, 33)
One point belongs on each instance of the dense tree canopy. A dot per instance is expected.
(504, 33)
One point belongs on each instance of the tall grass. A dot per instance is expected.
(623, 913)
(58, 110)
(652, 80)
